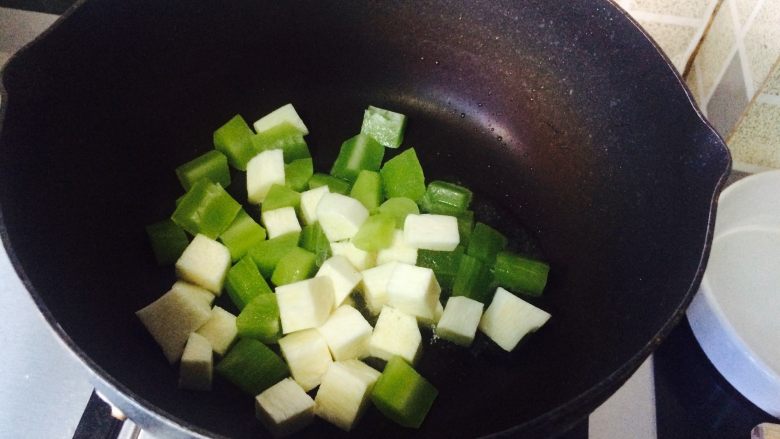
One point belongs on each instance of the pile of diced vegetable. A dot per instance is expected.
(333, 253)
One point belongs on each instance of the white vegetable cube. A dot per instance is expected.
(263, 171)
(280, 221)
(459, 322)
(196, 368)
(437, 313)
(285, 113)
(304, 304)
(360, 259)
(309, 201)
(307, 355)
(171, 318)
(374, 286)
(344, 392)
(205, 262)
(343, 276)
(432, 232)
(284, 408)
(399, 251)
(395, 333)
(340, 216)
(220, 330)
(413, 290)
(347, 333)
(206, 295)
(509, 318)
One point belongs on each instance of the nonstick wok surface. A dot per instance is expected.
(574, 133)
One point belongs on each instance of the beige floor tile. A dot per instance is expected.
(4, 56)
(729, 99)
(772, 86)
(718, 44)
(692, 80)
(757, 138)
(18, 28)
(681, 8)
(762, 41)
(744, 9)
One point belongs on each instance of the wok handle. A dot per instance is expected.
(98, 420)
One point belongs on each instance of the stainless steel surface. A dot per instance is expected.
(43, 388)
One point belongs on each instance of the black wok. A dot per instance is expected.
(561, 115)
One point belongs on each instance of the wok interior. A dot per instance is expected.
(561, 129)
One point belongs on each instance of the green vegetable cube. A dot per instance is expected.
(519, 273)
(252, 366)
(358, 153)
(242, 234)
(234, 139)
(334, 184)
(444, 264)
(385, 126)
(244, 282)
(206, 209)
(260, 319)
(399, 208)
(168, 241)
(402, 176)
(368, 189)
(314, 240)
(485, 243)
(402, 394)
(284, 136)
(297, 174)
(473, 279)
(297, 264)
(446, 198)
(281, 196)
(267, 254)
(212, 165)
(375, 233)
(465, 226)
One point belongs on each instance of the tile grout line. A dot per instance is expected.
(666, 19)
(699, 36)
(699, 87)
(747, 76)
(721, 74)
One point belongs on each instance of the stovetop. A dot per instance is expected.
(45, 393)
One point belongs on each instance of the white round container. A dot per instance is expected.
(735, 316)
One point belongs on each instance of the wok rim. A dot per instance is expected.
(142, 412)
